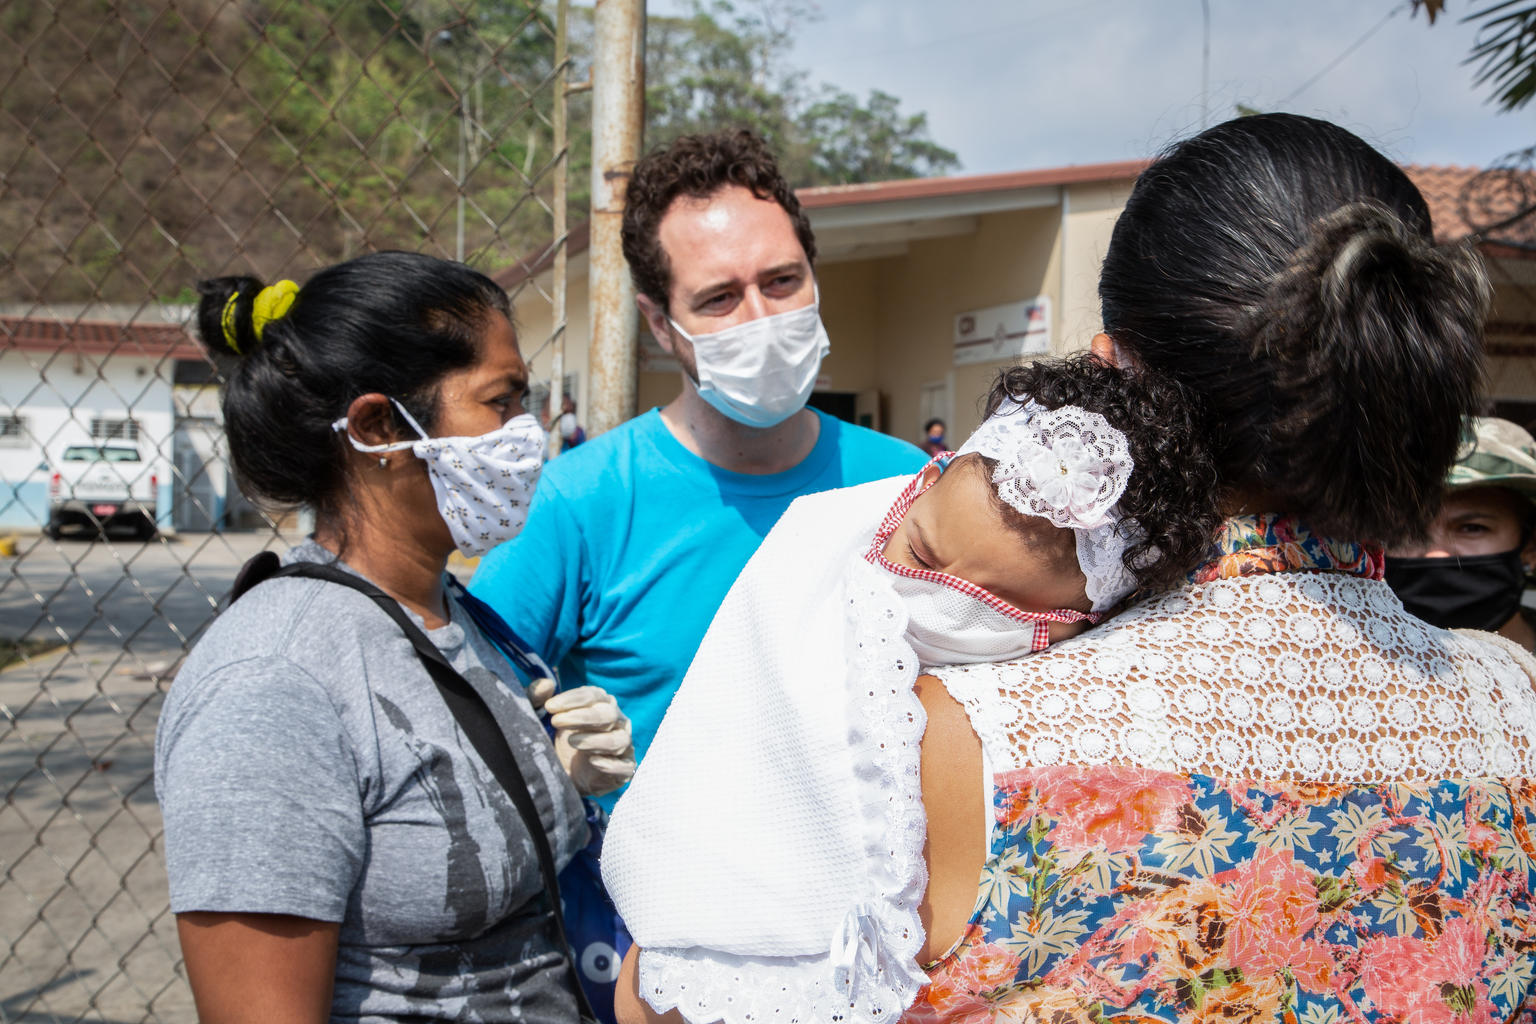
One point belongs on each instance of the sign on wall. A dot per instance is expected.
(1003, 332)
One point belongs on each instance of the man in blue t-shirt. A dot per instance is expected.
(634, 538)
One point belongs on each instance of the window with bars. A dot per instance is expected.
(13, 431)
(107, 429)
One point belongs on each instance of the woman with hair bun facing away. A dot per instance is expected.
(1269, 794)
(331, 760)
(1264, 792)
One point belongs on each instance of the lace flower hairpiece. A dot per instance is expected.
(1069, 466)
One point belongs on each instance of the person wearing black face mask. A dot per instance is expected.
(1470, 572)
(933, 437)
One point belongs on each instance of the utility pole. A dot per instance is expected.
(562, 168)
(458, 244)
(618, 121)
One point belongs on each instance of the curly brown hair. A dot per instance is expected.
(697, 166)
(1172, 494)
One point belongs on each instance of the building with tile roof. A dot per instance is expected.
(903, 264)
(74, 376)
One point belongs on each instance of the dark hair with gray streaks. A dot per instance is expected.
(1286, 273)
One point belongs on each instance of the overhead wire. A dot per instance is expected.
(1351, 48)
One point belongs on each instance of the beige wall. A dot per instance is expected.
(656, 389)
(891, 320)
(1512, 377)
(850, 309)
(1012, 256)
(1090, 214)
(533, 310)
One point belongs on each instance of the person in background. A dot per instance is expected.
(634, 537)
(933, 437)
(336, 848)
(571, 433)
(1470, 571)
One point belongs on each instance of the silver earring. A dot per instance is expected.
(383, 462)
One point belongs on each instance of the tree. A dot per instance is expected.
(851, 142)
(1505, 47)
(724, 66)
(716, 68)
(269, 138)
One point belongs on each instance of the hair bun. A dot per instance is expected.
(1356, 241)
(1367, 305)
(225, 315)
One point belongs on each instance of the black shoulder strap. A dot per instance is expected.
(260, 566)
(468, 708)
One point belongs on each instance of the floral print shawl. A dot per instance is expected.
(1125, 894)
(1121, 893)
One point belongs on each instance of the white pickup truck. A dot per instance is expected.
(100, 485)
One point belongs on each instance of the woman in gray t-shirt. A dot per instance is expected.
(337, 848)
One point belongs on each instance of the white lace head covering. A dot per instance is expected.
(1069, 466)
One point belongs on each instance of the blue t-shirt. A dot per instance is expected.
(632, 541)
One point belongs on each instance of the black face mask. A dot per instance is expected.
(1480, 592)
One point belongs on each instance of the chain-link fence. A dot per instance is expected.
(145, 144)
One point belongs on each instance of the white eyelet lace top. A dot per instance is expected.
(1299, 675)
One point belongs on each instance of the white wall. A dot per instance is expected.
(57, 394)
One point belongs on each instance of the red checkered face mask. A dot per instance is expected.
(951, 621)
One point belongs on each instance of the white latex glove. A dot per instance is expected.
(592, 738)
(540, 690)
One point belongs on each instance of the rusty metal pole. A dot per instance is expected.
(618, 120)
(562, 169)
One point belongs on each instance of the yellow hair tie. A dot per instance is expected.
(272, 303)
(227, 321)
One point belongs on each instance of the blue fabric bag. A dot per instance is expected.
(593, 927)
(597, 934)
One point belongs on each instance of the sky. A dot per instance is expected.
(1018, 84)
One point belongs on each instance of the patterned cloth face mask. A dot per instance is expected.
(483, 484)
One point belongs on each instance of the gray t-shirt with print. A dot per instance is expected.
(306, 764)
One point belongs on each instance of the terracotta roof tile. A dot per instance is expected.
(1489, 196)
(99, 337)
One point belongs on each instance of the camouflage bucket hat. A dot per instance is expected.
(1499, 454)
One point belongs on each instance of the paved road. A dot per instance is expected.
(84, 925)
(85, 930)
(148, 597)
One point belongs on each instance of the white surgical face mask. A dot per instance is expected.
(951, 621)
(761, 372)
(947, 627)
(483, 484)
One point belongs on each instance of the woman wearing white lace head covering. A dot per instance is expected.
(1083, 484)
(1267, 793)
